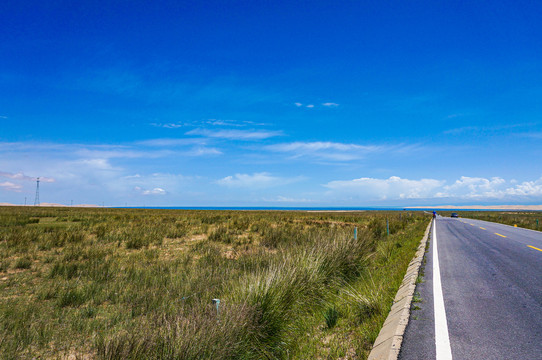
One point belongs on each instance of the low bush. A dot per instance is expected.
(23, 263)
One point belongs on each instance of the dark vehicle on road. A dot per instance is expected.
(454, 215)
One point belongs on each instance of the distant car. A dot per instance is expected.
(454, 215)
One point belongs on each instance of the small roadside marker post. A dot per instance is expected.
(388, 226)
(217, 303)
(356, 232)
(536, 224)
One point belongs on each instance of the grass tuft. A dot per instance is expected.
(331, 315)
(71, 297)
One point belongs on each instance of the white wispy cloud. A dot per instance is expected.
(472, 187)
(172, 126)
(310, 106)
(97, 164)
(462, 130)
(22, 176)
(209, 122)
(163, 142)
(202, 151)
(102, 150)
(532, 135)
(9, 186)
(192, 147)
(155, 191)
(319, 145)
(236, 134)
(493, 188)
(127, 153)
(286, 199)
(463, 189)
(383, 189)
(232, 123)
(136, 150)
(526, 188)
(135, 176)
(154, 184)
(256, 180)
(97, 173)
(325, 150)
(31, 146)
(487, 129)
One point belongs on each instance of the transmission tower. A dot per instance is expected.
(37, 198)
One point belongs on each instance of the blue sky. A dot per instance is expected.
(257, 103)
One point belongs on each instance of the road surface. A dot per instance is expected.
(487, 301)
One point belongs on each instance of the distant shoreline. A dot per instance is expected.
(307, 209)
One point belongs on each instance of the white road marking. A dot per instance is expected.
(442, 340)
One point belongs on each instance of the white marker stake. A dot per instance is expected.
(442, 340)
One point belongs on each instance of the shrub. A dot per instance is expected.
(65, 270)
(23, 263)
(178, 231)
(377, 227)
(136, 242)
(4, 265)
(71, 297)
(88, 312)
(221, 234)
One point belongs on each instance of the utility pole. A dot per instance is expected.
(37, 198)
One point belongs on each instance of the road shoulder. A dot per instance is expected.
(388, 343)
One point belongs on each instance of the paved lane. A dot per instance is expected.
(491, 278)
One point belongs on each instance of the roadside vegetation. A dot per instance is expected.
(525, 219)
(180, 284)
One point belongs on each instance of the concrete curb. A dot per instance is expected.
(388, 342)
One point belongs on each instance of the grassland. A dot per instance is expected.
(140, 284)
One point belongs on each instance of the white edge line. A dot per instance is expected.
(442, 340)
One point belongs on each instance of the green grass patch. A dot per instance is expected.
(140, 284)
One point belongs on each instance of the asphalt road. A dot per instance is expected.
(491, 281)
